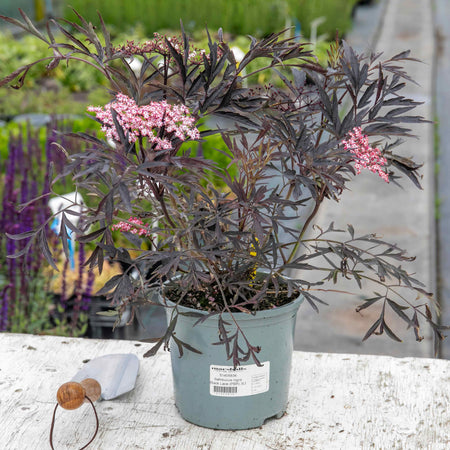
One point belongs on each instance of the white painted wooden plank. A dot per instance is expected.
(337, 401)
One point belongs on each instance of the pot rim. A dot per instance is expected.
(239, 315)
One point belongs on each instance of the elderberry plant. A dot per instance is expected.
(289, 150)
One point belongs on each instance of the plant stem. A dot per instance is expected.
(306, 224)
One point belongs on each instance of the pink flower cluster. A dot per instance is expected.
(366, 157)
(128, 227)
(158, 45)
(147, 121)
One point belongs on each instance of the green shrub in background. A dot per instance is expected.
(337, 15)
(22, 51)
(40, 100)
(254, 17)
(45, 91)
(213, 148)
(237, 17)
(14, 129)
(69, 90)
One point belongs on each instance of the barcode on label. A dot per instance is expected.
(226, 389)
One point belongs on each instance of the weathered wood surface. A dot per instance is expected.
(337, 402)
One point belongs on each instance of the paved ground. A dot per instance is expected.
(403, 216)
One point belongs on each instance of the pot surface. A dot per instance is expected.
(210, 392)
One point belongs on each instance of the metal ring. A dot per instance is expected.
(53, 425)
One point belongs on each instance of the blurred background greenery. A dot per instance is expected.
(68, 90)
(254, 17)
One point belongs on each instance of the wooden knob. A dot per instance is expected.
(92, 388)
(71, 395)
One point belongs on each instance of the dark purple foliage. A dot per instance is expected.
(212, 241)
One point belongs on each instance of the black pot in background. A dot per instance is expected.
(149, 321)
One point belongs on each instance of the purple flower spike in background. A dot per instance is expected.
(26, 300)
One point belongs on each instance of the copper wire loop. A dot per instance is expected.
(53, 425)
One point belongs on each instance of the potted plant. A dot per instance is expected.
(233, 262)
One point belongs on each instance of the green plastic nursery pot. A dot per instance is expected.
(209, 392)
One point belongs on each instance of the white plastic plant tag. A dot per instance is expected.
(225, 381)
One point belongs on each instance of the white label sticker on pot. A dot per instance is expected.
(225, 381)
